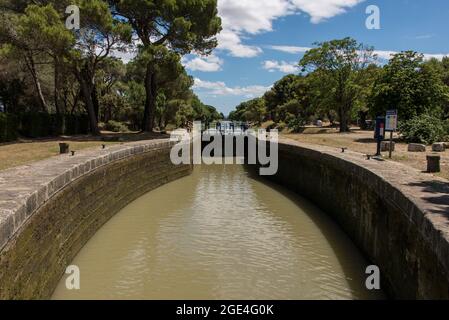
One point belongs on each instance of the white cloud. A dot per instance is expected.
(282, 66)
(382, 54)
(210, 63)
(320, 10)
(290, 49)
(241, 18)
(230, 40)
(220, 88)
(386, 55)
(438, 56)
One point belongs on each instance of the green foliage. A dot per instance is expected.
(8, 127)
(116, 126)
(409, 85)
(182, 25)
(251, 111)
(337, 66)
(425, 129)
(296, 123)
(184, 115)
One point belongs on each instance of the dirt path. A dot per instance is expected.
(363, 142)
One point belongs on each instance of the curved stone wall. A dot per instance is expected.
(398, 216)
(50, 209)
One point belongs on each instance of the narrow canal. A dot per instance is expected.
(220, 234)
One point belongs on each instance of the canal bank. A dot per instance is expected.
(50, 209)
(395, 215)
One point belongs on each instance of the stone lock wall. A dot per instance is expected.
(76, 198)
(397, 216)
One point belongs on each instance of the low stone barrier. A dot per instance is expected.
(396, 215)
(50, 209)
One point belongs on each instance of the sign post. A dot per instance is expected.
(391, 125)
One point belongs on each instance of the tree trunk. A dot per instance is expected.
(150, 100)
(86, 91)
(362, 118)
(95, 100)
(344, 119)
(32, 68)
(56, 85)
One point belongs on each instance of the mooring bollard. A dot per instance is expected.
(63, 148)
(433, 163)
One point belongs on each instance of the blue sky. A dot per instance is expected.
(262, 40)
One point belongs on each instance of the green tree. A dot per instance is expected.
(337, 65)
(410, 86)
(99, 35)
(169, 78)
(179, 25)
(37, 34)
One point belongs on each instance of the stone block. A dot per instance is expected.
(438, 147)
(385, 146)
(433, 163)
(416, 147)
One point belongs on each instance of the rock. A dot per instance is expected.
(446, 145)
(385, 146)
(438, 147)
(416, 147)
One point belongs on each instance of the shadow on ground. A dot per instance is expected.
(440, 200)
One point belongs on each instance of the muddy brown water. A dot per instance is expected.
(220, 233)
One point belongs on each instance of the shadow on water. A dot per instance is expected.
(327, 226)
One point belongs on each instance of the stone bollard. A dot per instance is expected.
(416, 147)
(433, 163)
(63, 148)
(385, 146)
(438, 147)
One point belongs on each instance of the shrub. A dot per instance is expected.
(36, 125)
(8, 127)
(425, 129)
(281, 126)
(116, 126)
(296, 124)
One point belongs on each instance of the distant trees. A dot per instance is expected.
(254, 111)
(342, 80)
(46, 68)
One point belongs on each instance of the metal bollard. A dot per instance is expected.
(433, 163)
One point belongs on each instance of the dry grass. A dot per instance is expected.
(363, 142)
(17, 154)
(27, 151)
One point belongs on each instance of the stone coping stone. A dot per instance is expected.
(26, 188)
(424, 197)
